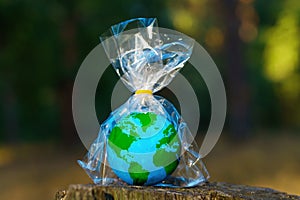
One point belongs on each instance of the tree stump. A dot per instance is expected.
(206, 191)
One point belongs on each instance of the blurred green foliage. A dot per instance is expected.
(42, 44)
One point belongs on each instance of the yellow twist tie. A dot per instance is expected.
(143, 92)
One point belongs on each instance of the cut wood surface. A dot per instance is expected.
(206, 191)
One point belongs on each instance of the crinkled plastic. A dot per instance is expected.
(145, 60)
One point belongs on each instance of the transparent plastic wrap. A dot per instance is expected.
(145, 141)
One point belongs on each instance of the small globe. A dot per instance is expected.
(143, 148)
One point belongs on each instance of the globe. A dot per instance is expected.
(143, 148)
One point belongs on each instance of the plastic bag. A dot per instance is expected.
(145, 141)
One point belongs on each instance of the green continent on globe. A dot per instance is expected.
(169, 134)
(168, 160)
(146, 119)
(120, 141)
(143, 148)
(137, 173)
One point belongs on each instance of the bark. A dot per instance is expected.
(206, 191)
(10, 114)
(70, 55)
(237, 84)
